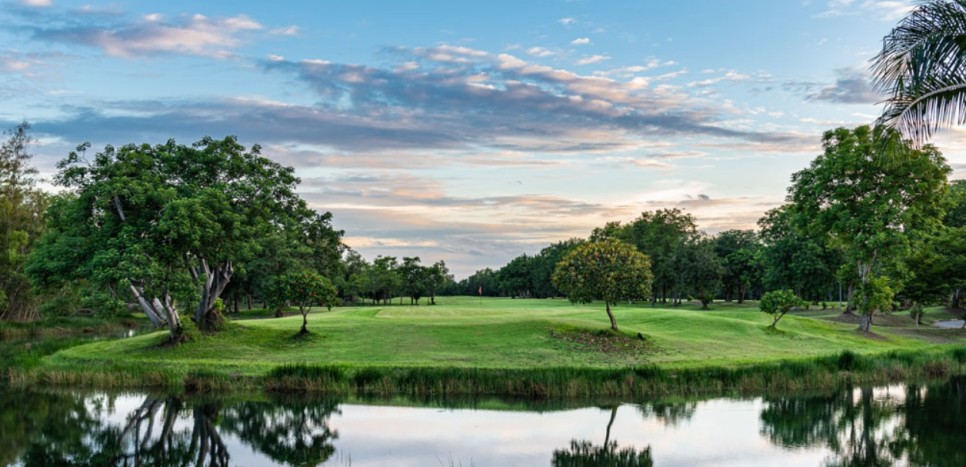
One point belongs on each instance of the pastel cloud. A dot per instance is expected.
(152, 34)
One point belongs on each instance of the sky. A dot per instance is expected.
(470, 132)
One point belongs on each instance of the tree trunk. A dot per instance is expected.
(305, 323)
(215, 282)
(161, 312)
(865, 322)
(613, 322)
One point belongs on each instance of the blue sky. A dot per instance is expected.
(468, 132)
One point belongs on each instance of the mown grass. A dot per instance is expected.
(467, 345)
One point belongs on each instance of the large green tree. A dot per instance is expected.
(543, 264)
(795, 256)
(922, 69)
(170, 223)
(515, 277)
(742, 262)
(21, 222)
(869, 190)
(658, 235)
(609, 270)
(698, 270)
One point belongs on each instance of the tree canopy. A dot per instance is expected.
(170, 223)
(869, 191)
(21, 222)
(609, 270)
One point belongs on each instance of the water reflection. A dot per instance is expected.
(585, 453)
(897, 425)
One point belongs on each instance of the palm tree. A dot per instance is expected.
(922, 66)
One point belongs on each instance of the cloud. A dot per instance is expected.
(591, 60)
(729, 76)
(37, 3)
(566, 21)
(580, 41)
(286, 31)
(446, 98)
(151, 34)
(851, 87)
(886, 10)
(539, 52)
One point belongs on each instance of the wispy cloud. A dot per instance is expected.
(286, 31)
(580, 41)
(886, 10)
(851, 87)
(591, 60)
(539, 52)
(729, 76)
(566, 21)
(150, 34)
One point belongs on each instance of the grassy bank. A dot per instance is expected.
(542, 348)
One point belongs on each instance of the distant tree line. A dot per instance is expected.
(873, 222)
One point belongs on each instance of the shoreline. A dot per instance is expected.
(817, 373)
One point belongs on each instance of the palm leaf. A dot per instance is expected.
(923, 66)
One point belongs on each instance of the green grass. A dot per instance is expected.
(463, 338)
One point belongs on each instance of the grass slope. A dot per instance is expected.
(466, 332)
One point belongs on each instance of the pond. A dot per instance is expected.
(901, 424)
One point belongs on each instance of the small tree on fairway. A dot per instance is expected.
(778, 302)
(308, 288)
(610, 270)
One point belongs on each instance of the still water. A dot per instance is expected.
(894, 425)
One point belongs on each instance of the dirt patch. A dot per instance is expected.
(604, 341)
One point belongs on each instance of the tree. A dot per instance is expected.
(308, 288)
(609, 270)
(796, 256)
(414, 279)
(922, 68)
(168, 222)
(937, 265)
(542, 265)
(21, 222)
(778, 302)
(437, 277)
(956, 201)
(384, 278)
(742, 262)
(698, 270)
(515, 277)
(869, 190)
(658, 234)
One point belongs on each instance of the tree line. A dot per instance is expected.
(873, 221)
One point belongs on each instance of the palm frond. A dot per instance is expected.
(923, 66)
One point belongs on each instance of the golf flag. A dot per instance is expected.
(480, 291)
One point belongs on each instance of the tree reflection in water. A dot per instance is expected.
(72, 431)
(923, 427)
(914, 425)
(290, 432)
(585, 454)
